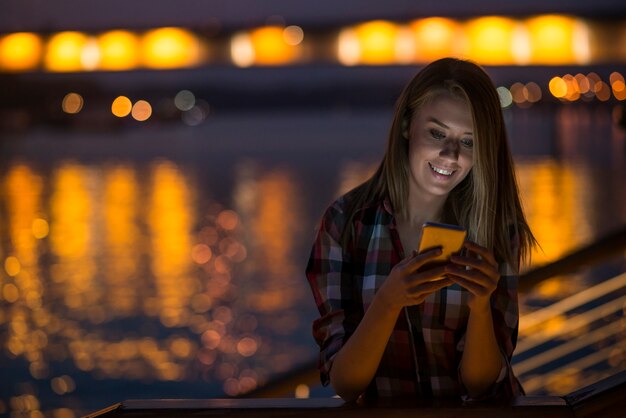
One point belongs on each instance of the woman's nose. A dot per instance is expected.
(451, 148)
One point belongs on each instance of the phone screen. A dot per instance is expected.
(449, 237)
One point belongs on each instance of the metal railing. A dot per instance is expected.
(603, 399)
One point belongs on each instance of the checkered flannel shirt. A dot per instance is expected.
(424, 351)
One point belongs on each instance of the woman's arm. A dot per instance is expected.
(356, 363)
(481, 362)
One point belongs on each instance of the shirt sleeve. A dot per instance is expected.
(330, 275)
(505, 315)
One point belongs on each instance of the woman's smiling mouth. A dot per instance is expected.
(441, 171)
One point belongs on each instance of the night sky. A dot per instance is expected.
(47, 15)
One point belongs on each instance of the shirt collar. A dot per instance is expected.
(387, 206)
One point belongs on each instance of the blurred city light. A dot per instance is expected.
(119, 50)
(197, 114)
(302, 391)
(170, 48)
(64, 52)
(549, 39)
(40, 228)
(121, 106)
(348, 48)
(141, 111)
(20, 51)
(558, 87)
(12, 266)
(376, 42)
(242, 50)
(434, 38)
(490, 40)
(72, 103)
(184, 100)
(618, 86)
(506, 99)
(272, 45)
(293, 35)
(90, 57)
(556, 39)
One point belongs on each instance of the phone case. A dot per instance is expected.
(449, 237)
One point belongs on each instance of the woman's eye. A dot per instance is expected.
(467, 142)
(437, 134)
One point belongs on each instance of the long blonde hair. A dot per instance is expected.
(487, 201)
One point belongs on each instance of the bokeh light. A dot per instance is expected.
(184, 100)
(558, 87)
(302, 391)
(121, 106)
(293, 35)
(20, 51)
(72, 103)
(40, 228)
(64, 51)
(490, 40)
(12, 266)
(201, 254)
(557, 39)
(270, 46)
(119, 50)
(617, 85)
(348, 48)
(141, 111)
(532, 92)
(603, 91)
(548, 39)
(506, 99)
(377, 42)
(90, 56)
(241, 50)
(435, 37)
(197, 114)
(170, 48)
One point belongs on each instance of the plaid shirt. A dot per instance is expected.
(424, 351)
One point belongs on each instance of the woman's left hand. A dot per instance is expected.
(477, 272)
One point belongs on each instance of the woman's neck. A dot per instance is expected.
(422, 210)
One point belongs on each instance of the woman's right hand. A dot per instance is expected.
(409, 284)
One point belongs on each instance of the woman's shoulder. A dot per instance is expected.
(337, 212)
(348, 207)
(351, 202)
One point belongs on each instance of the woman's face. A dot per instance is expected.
(441, 143)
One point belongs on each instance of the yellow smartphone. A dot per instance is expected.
(449, 237)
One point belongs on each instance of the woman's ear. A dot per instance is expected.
(405, 128)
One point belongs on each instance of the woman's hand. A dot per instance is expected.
(410, 281)
(477, 272)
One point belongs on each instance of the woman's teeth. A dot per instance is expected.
(440, 170)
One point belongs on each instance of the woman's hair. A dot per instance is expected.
(487, 201)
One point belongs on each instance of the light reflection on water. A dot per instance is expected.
(136, 271)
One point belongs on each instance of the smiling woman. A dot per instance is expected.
(389, 324)
(440, 148)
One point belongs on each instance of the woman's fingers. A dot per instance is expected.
(433, 274)
(460, 264)
(421, 291)
(477, 271)
(478, 258)
(419, 259)
(481, 251)
(474, 285)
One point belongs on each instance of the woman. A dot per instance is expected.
(391, 325)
